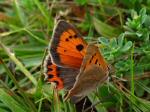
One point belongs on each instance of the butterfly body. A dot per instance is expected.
(75, 65)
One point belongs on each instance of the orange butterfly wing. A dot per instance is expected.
(96, 58)
(93, 72)
(67, 47)
(51, 72)
(74, 62)
(63, 77)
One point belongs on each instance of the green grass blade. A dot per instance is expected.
(45, 13)
(143, 86)
(19, 64)
(19, 12)
(2, 110)
(26, 99)
(10, 102)
(34, 36)
(132, 70)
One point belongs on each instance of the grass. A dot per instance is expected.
(120, 28)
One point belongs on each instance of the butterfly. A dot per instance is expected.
(73, 64)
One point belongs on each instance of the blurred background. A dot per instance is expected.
(121, 28)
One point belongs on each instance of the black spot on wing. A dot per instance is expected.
(50, 69)
(49, 62)
(96, 61)
(67, 39)
(50, 76)
(58, 74)
(70, 36)
(91, 59)
(79, 47)
(75, 36)
(60, 28)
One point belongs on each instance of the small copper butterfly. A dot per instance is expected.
(73, 64)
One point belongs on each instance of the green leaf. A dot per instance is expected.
(120, 40)
(147, 22)
(103, 41)
(127, 46)
(105, 29)
(113, 43)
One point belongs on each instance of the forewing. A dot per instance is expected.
(67, 46)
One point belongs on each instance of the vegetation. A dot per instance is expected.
(121, 28)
